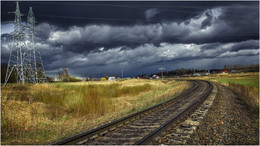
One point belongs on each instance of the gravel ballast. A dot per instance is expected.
(228, 121)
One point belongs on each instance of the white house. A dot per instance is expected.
(111, 78)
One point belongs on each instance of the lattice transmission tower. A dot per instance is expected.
(25, 59)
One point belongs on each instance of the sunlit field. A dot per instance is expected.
(44, 113)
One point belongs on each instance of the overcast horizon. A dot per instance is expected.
(97, 38)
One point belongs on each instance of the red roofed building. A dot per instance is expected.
(224, 71)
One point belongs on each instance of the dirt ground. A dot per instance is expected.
(228, 121)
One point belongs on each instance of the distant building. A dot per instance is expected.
(205, 74)
(155, 77)
(196, 75)
(224, 71)
(186, 75)
(139, 77)
(112, 79)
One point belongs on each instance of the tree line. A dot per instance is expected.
(229, 68)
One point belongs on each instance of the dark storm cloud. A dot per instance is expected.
(6, 37)
(132, 11)
(207, 27)
(208, 21)
(246, 45)
(92, 37)
(98, 37)
(242, 22)
(147, 54)
(44, 30)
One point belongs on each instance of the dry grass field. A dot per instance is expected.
(43, 113)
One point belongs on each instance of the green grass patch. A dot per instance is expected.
(251, 81)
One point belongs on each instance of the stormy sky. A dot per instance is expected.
(97, 38)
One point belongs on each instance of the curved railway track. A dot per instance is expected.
(144, 126)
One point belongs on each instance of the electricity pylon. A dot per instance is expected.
(32, 60)
(15, 62)
(25, 59)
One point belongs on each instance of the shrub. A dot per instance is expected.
(103, 79)
(70, 79)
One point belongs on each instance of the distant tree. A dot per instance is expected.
(49, 79)
(60, 75)
(90, 77)
(189, 71)
(63, 74)
(106, 76)
(71, 79)
(65, 71)
(178, 71)
(184, 71)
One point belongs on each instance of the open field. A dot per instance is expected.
(36, 114)
(251, 79)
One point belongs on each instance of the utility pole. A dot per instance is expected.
(161, 69)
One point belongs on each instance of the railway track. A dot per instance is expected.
(145, 126)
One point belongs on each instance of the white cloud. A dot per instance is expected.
(240, 53)
(106, 33)
(101, 49)
(7, 28)
(6, 48)
(149, 53)
(151, 13)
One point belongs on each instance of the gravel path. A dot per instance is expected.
(227, 122)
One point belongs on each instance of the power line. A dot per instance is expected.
(130, 6)
(89, 18)
(106, 19)
(127, 6)
(146, 6)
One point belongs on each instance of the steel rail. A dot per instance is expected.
(85, 135)
(148, 139)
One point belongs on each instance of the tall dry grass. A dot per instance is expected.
(248, 94)
(37, 114)
(88, 99)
